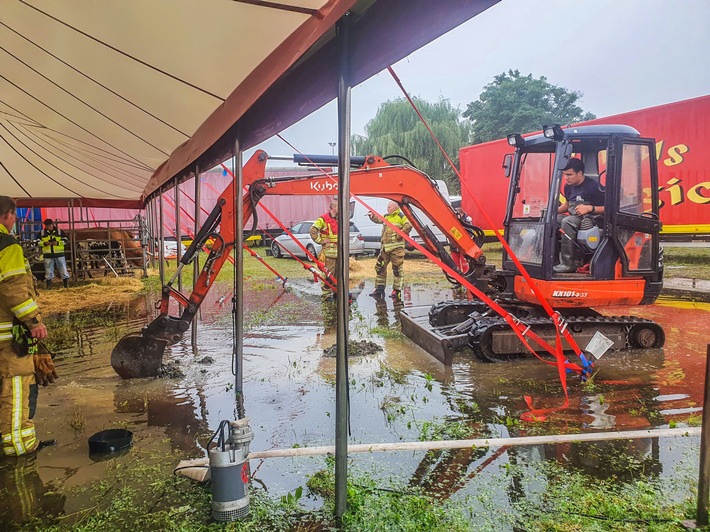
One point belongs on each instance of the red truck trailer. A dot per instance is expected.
(682, 132)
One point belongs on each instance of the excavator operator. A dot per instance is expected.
(583, 197)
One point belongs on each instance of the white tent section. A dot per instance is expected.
(94, 96)
(108, 101)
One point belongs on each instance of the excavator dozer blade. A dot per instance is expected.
(138, 355)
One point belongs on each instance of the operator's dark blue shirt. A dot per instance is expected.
(586, 193)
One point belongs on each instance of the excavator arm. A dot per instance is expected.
(405, 185)
(140, 354)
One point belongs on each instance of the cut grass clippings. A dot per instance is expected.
(89, 294)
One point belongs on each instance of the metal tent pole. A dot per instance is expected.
(196, 261)
(178, 234)
(161, 250)
(238, 301)
(342, 412)
(154, 234)
(148, 237)
(72, 241)
(701, 519)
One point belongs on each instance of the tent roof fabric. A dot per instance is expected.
(108, 101)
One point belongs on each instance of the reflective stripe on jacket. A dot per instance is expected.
(17, 296)
(325, 232)
(327, 229)
(391, 239)
(52, 243)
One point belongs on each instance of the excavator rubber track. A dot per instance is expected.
(452, 326)
(492, 339)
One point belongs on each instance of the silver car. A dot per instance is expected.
(283, 243)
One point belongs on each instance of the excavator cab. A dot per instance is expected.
(619, 248)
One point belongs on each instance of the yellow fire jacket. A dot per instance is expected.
(324, 231)
(17, 295)
(52, 243)
(390, 239)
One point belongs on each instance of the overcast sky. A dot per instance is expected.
(621, 54)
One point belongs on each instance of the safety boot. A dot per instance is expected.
(379, 292)
(568, 257)
(396, 295)
(66, 283)
(49, 284)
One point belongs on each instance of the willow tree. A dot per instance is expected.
(397, 130)
(514, 103)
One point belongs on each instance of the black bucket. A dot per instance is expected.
(110, 441)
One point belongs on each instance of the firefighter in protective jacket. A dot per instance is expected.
(324, 231)
(53, 239)
(392, 250)
(20, 328)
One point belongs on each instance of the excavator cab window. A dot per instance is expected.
(531, 197)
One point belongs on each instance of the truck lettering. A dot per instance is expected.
(698, 193)
(695, 196)
(675, 155)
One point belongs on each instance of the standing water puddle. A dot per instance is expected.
(398, 394)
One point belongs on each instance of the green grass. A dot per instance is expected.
(687, 262)
(142, 494)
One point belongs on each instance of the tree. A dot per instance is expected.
(397, 130)
(520, 104)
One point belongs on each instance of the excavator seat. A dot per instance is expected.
(589, 237)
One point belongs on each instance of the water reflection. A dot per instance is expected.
(182, 413)
(382, 312)
(24, 494)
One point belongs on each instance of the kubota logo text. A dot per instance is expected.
(323, 186)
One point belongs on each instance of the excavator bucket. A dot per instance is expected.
(138, 355)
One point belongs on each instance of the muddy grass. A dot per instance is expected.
(356, 348)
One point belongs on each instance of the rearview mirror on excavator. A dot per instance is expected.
(507, 164)
(564, 157)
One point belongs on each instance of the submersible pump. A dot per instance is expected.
(229, 470)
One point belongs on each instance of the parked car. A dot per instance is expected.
(301, 231)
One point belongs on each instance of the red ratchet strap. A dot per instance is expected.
(327, 277)
(244, 246)
(560, 325)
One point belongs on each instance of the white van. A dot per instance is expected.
(372, 232)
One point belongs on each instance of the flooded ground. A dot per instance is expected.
(398, 394)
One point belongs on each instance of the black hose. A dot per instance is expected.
(402, 157)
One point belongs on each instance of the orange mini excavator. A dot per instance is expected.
(622, 258)
(621, 247)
